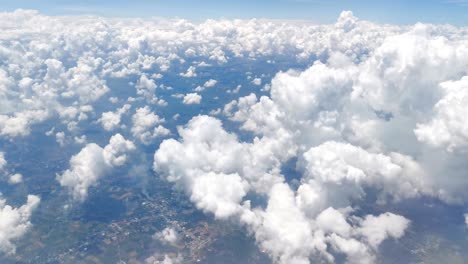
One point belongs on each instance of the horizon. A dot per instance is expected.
(318, 11)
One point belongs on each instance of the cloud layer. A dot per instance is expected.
(379, 109)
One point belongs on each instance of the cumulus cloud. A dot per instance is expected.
(15, 178)
(92, 163)
(15, 222)
(217, 171)
(39, 81)
(167, 235)
(447, 127)
(190, 72)
(257, 81)
(165, 259)
(192, 98)
(382, 109)
(146, 125)
(208, 84)
(3, 161)
(189, 164)
(389, 121)
(376, 229)
(111, 120)
(349, 167)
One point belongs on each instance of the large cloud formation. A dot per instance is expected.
(380, 108)
(61, 67)
(390, 121)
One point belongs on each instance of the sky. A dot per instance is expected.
(320, 11)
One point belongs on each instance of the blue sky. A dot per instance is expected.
(322, 11)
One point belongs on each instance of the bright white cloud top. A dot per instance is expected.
(15, 222)
(380, 109)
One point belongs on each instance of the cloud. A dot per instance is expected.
(189, 73)
(111, 120)
(350, 168)
(15, 222)
(217, 171)
(165, 259)
(168, 235)
(45, 77)
(192, 98)
(257, 81)
(387, 122)
(210, 83)
(92, 163)
(377, 228)
(381, 111)
(146, 125)
(447, 127)
(15, 178)
(3, 161)
(115, 153)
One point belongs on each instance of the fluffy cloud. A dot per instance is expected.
(447, 127)
(115, 153)
(166, 259)
(210, 83)
(382, 110)
(192, 98)
(15, 222)
(144, 125)
(389, 121)
(167, 235)
(205, 171)
(217, 171)
(190, 72)
(349, 167)
(3, 161)
(92, 163)
(50, 71)
(376, 229)
(15, 178)
(111, 120)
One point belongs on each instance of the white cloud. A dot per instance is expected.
(60, 138)
(189, 73)
(257, 81)
(350, 168)
(167, 235)
(383, 109)
(15, 222)
(217, 171)
(115, 153)
(377, 228)
(165, 259)
(144, 125)
(3, 161)
(39, 81)
(448, 127)
(92, 163)
(15, 178)
(111, 120)
(192, 98)
(210, 83)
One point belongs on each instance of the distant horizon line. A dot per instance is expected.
(204, 19)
